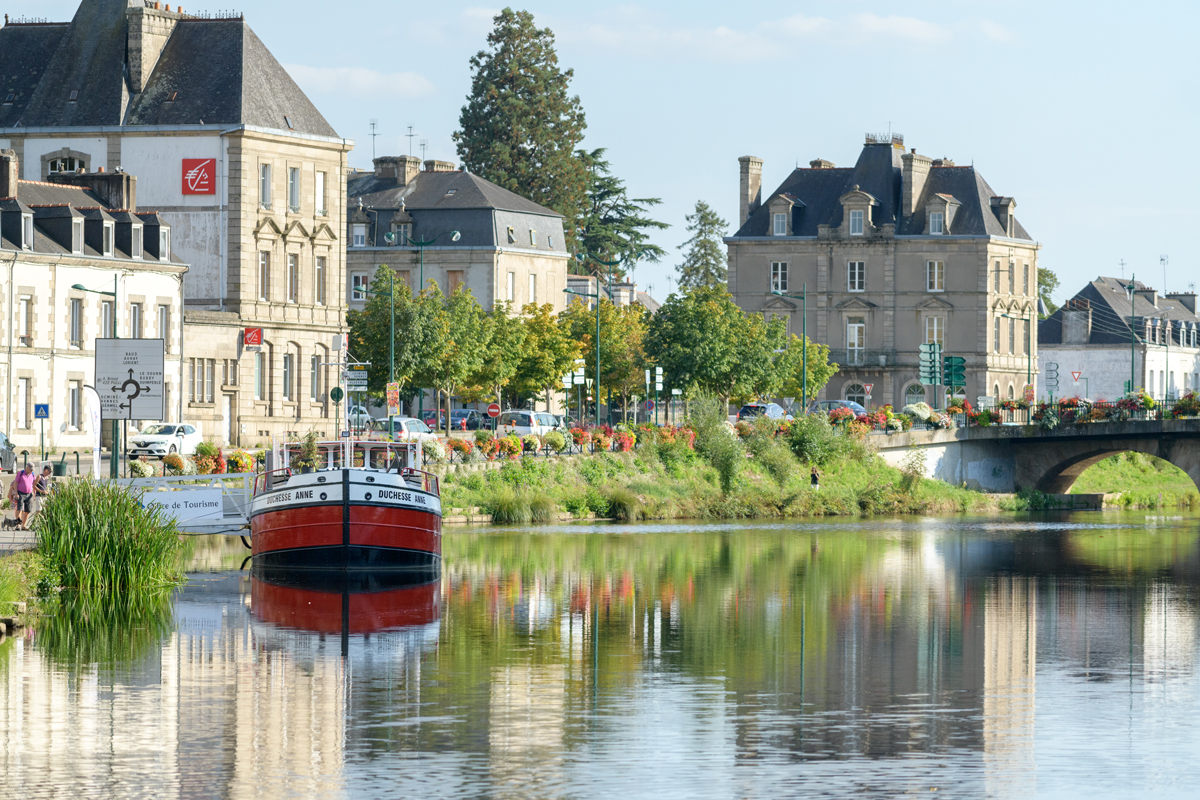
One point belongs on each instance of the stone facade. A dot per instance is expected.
(880, 280)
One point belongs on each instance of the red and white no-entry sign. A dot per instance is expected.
(493, 410)
(1076, 375)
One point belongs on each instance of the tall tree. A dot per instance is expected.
(697, 338)
(503, 356)
(549, 352)
(820, 371)
(459, 335)
(614, 226)
(520, 126)
(704, 262)
(1047, 285)
(622, 356)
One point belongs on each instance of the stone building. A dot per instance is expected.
(234, 158)
(899, 250)
(1098, 331)
(624, 293)
(508, 248)
(85, 230)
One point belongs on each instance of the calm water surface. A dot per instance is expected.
(1001, 657)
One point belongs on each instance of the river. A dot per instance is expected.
(1049, 656)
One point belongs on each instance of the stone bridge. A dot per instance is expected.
(1006, 458)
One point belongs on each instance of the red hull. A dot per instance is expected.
(322, 612)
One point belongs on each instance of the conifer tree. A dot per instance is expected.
(613, 226)
(704, 263)
(520, 127)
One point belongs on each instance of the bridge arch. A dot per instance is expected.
(1060, 470)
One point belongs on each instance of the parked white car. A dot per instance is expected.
(359, 417)
(522, 423)
(165, 438)
(407, 429)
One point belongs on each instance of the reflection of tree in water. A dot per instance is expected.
(81, 631)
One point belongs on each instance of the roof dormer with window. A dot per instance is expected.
(939, 214)
(782, 207)
(1005, 210)
(857, 206)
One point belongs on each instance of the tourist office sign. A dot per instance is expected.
(129, 378)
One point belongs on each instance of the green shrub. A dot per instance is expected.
(542, 509)
(482, 436)
(595, 502)
(815, 441)
(206, 450)
(98, 537)
(770, 451)
(623, 504)
(716, 441)
(506, 505)
(555, 441)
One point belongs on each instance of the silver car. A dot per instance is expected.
(8, 456)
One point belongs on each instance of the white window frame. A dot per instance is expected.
(75, 322)
(856, 338)
(77, 236)
(358, 282)
(857, 221)
(510, 288)
(74, 398)
(935, 330)
(210, 381)
(996, 335)
(25, 322)
(936, 223)
(136, 241)
(164, 323)
(314, 377)
(26, 231)
(935, 276)
(779, 224)
(106, 319)
(264, 185)
(358, 235)
(107, 240)
(164, 244)
(23, 403)
(264, 275)
(533, 287)
(856, 276)
(287, 377)
(135, 320)
(779, 276)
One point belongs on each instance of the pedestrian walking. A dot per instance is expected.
(816, 478)
(41, 488)
(24, 484)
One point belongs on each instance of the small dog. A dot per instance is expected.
(11, 524)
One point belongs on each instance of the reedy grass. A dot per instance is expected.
(119, 628)
(97, 537)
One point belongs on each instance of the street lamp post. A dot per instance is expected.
(803, 298)
(116, 426)
(422, 244)
(610, 264)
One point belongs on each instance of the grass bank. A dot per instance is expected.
(1143, 482)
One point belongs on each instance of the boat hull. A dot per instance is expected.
(346, 520)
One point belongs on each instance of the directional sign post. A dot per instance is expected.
(129, 378)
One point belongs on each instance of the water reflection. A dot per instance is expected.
(714, 661)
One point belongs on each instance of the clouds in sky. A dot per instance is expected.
(359, 81)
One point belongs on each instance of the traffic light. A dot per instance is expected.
(1051, 380)
(930, 356)
(954, 371)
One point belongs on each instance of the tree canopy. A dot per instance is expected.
(371, 327)
(704, 262)
(520, 127)
(613, 225)
(622, 356)
(549, 351)
(1047, 285)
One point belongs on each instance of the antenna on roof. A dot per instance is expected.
(410, 136)
(1164, 260)
(1122, 269)
(424, 144)
(374, 123)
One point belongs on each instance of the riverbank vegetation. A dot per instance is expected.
(762, 471)
(1143, 481)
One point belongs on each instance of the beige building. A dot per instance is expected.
(897, 251)
(508, 249)
(235, 158)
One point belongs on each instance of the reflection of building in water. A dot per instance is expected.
(1168, 633)
(526, 717)
(1009, 666)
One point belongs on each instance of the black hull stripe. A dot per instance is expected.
(355, 557)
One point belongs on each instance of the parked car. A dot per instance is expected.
(768, 410)
(550, 422)
(468, 419)
(162, 439)
(521, 423)
(407, 429)
(8, 456)
(825, 406)
(434, 418)
(359, 417)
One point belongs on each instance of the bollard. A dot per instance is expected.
(76, 462)
(24, 460)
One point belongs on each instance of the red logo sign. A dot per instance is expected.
(494, 410)
(252, 337)
(199, 176)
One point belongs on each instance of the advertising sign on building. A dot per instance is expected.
(252, 338)
(199, 176)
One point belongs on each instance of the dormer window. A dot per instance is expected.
(856, 223)
(359, 236)
(108, 240)
(136, 245)
(532, 238)
(779, 225)
(512, 235)
(27, 231)
(77, 236)
(164, 244)
(9, 99)
(936, 220)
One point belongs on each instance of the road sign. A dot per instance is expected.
(676, 392)
(1051, 379)
(493, 410)
(930, 355)
(41, 411)
(568, 381)
(1076, 375)
(868, 387)
(658, 386)
(336, 394)
(356, 377)
(658, 372)
(252, 338)
(649, 405)
(579, 380)
(393, 399)
(954, 371)
(129, 378)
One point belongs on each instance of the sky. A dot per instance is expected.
(1078, 110)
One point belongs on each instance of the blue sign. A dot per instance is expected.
(41, 411)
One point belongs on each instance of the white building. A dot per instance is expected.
(52, 237)
(1110, 338)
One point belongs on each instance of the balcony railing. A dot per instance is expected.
(853, 357)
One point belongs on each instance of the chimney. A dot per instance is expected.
(9, 173)
(116, 189)
(402, 168)
(750, 169)
(439, 166)
(914, 171)
(820, 163)
(1185, 299)
(1077, 322)
(149, 30)
(1148, 294)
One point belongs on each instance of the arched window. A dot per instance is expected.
(856, 393)
(914, 394)
(996, 391)
(1012, 392)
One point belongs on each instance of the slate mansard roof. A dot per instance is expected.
(223, 73)
(1112, 312)
(878, 172)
